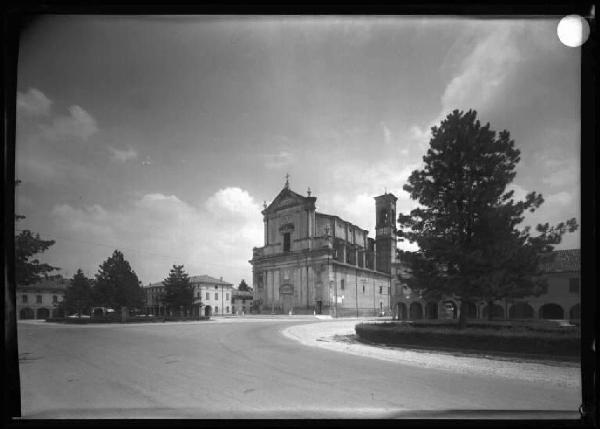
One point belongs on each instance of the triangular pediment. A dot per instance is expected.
(285, 199)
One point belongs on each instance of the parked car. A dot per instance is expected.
(78, 316)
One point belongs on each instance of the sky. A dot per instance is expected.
(163, 136)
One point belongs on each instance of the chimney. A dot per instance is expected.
(221, 278)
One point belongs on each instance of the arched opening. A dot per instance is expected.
(574, 312)
(470, 310)
(208, 311)
(450, 309)
(432, 310)
(384, 217)
(26, 313)
(497, 312)
(551, 311)
(416, 311)
(42, 313)
(401, 311)
(520, 310)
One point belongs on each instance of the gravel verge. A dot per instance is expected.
(338, 336)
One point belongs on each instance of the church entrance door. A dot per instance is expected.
(286, 292)
(288, 303)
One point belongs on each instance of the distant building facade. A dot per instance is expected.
(315, 262)
(241, 302)
(561, 300)
(41, 300)
(211, 297)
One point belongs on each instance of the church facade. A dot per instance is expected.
(316, 262)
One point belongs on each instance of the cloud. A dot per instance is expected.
(123, 155)
(33, 102)
(232, 202)
(352, 198)
(278, 160)
(387, 135)
(158, 230)
(484, 70)
(491, 54)
(560, 198)
(48, 146)
(78, 124)
(519, 192)
(561, 172)
(420, 136)
(89, 221)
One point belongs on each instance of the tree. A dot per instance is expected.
(243, 286)
(466, 227)
(179, 293)
(78, 296)
(117, 285)
(27, 245)
(28, 270)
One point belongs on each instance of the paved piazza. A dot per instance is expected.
(261, 368)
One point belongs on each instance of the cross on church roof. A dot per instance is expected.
(287, 180)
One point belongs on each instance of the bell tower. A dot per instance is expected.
(385, 232)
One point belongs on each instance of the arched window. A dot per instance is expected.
(43, 313)
(497, 312)
(520, 310)
(401, 311)
(416, 311)
(432, 310)
(383, 217)
(450, 309)
(551, 311)
(470, 310)
(26, 313)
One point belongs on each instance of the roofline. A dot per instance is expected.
(337, 217)
(215, 282)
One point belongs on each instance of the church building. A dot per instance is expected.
(317, 262)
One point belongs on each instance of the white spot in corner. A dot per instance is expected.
(573, 31)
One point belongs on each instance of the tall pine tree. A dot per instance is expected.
(27, 244)
(179, 293)
(27, 268)
(243, 286)
(470, 246)
(78, 296)
(117, 285)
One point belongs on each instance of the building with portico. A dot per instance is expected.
(560, 301)
(41, 300)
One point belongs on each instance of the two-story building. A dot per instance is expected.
(211, 297)
(316, 262)
(241, 302)
(41, 300)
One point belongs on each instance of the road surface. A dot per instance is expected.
(246, 368)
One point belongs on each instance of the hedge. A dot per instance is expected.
(476, 337)
(130, 319)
